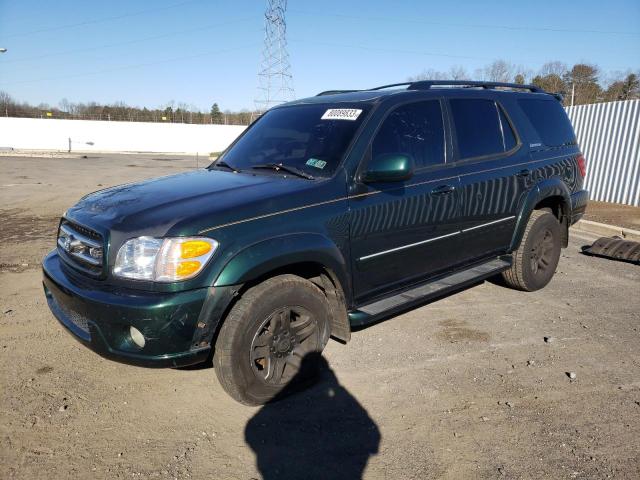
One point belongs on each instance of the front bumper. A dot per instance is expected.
(579, 202)
(178, 327)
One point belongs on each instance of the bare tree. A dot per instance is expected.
(6, 103)
(429, 74)
(553, 68)
(457, 72)
(65, 105)
(499, 71)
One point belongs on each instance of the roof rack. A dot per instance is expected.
(427, 84)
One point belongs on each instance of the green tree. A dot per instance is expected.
(519, 79)
(551, 82)
(216, 114)
(626, 89)
(582, 84)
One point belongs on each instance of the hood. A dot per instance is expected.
(183, 203)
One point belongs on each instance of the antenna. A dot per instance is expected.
(275, 83)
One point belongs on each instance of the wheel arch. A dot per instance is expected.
(310, 256)
(551, 194)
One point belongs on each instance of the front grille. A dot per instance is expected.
(81, 247)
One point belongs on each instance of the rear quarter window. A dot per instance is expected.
(549, 120)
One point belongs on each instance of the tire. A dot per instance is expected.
(269, 345)
(536, 259)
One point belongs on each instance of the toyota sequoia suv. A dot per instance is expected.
(327, 213)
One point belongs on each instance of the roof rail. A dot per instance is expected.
(427, 84)
(334, 92)
(393, 85)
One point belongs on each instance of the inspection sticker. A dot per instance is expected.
(314, 162)
(342, 114)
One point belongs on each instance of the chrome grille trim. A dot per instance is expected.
(80, 236)
(75, 244)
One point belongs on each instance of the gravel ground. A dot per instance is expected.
(466, 387)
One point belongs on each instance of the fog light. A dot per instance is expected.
(137, 337)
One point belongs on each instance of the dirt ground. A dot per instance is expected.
(466, 387)
(614, 214)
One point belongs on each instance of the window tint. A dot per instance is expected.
(507, 132)
(415, 129)
(550, 121)
(477, 126)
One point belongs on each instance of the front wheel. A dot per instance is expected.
(270, 342)
(535, 261)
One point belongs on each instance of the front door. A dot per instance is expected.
(402, 232)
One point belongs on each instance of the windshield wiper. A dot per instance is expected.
(223, 164)
(287, 168)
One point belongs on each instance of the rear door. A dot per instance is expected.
(493, 175)
(404, 231)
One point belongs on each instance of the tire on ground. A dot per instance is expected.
(536, 259)
(232, 356)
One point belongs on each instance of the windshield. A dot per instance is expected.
(310, 138)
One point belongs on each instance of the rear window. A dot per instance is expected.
(549, 120)
(481, 128)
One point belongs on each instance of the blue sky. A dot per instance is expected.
(147, 53)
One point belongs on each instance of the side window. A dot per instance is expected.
(415, 129)
(479, 125)
(549, 120)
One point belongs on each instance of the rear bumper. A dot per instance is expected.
(175, 332)
(579, 202)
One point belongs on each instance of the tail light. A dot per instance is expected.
(582, 165)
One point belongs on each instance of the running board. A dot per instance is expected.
(372, 312)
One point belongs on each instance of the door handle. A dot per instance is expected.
(443, 190)
(524, 173)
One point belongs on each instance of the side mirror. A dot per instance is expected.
(389, 167)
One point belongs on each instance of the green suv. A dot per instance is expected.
(327, 213)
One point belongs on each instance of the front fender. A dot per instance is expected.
(266, 256)
(549, 187)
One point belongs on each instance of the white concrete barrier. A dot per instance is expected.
(89, 135)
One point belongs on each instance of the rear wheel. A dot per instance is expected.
(270, 341)
(535, 261)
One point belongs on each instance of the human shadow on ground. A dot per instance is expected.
(322, 432)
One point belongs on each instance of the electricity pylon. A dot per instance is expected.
(275, 84)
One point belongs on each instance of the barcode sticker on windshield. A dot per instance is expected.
(342, 114)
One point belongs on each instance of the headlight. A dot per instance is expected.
(163, 260)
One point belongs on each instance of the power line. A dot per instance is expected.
(127, 67)
(127, 42)
(99, 20)
(390, 50)
(461, 25)
(414, 52)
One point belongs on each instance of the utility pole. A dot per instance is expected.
(573, 92)
(275, 83)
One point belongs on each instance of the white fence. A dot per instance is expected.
(88, 135)
(609, 136)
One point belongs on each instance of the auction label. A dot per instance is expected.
(342, 114)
